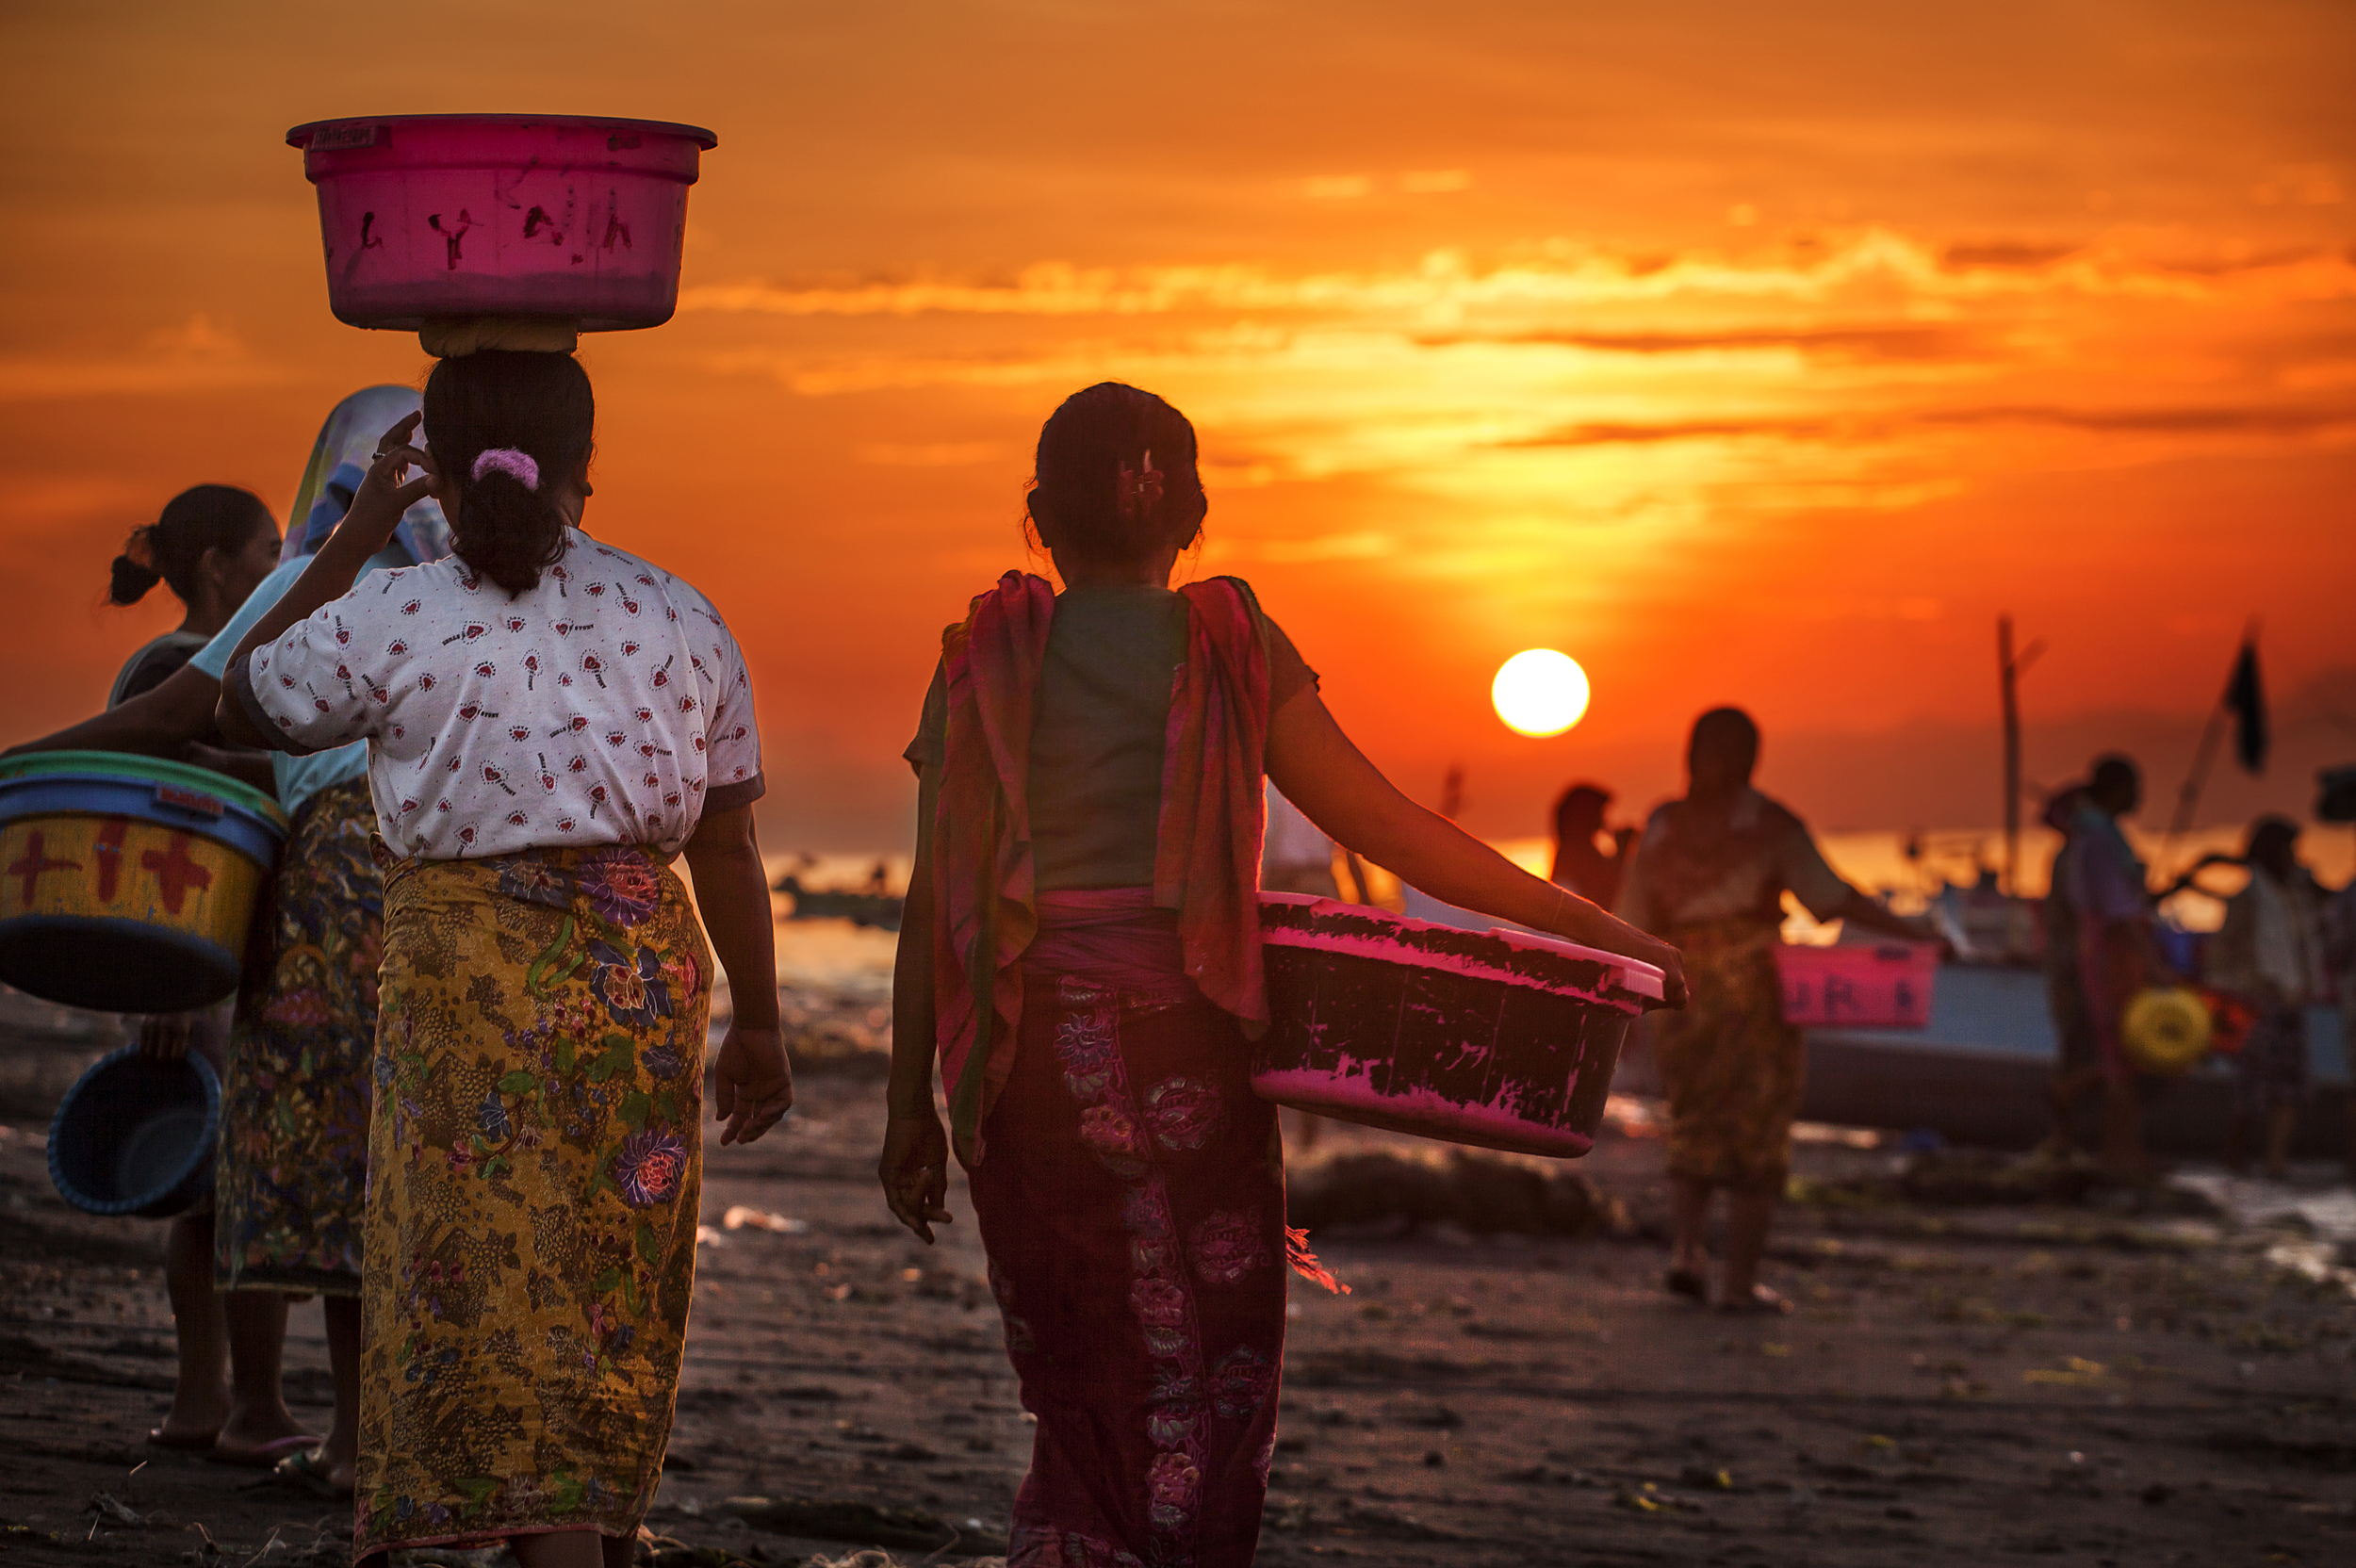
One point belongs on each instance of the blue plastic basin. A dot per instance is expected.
(135, 1136)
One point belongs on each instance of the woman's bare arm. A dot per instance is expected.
(753, 1084)
(914, 1167)
(1326, 775)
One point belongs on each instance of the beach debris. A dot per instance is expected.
(104, 1509)
(663, 1551)
(2076, 1373)
(846, 1519)
(739, 1215)
(1482, 1192)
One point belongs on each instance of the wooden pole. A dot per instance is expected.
(2008, 683)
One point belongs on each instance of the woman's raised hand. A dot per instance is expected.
(386, 492)
(915, 1171)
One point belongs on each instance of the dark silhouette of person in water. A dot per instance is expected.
(1579, 863)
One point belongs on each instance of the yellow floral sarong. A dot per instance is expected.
(536, 1165)
(1732, 1069)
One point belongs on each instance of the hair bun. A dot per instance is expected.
(132, 579)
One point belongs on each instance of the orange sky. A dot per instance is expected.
(1746, 353)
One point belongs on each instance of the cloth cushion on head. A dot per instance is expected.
(453, 337)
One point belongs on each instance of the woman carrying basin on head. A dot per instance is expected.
(1081, 941)
(549, 722)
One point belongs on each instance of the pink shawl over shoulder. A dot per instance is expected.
(1207, 857)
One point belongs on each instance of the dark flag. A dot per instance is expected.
(2244, 694)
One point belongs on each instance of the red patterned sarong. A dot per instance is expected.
(1133, 1208)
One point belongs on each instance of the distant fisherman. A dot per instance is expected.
(2100, 885)
(2269, 952)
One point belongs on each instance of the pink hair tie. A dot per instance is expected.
(511, 460)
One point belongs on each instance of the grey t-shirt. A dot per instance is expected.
(1099, 723)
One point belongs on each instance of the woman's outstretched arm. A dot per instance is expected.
(1326, 775)
(915, 1164)
(753, 1085)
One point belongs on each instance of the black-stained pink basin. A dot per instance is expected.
(1497, 1039)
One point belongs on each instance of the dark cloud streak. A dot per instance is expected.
(1911, 344)
(2145, 421)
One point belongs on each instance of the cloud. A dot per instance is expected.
(1366, 544)
(1867, 342)
(1337, 188)
(197, 355)
(1865, 263)
(2131, 421)
(936, 454)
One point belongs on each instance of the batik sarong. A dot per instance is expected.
(1732, 1069)
(1133, 1208)
(536, 1165)
(292, 1175)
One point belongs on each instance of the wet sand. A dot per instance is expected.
(2075, 1384)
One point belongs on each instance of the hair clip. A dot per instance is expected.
(1138, 489)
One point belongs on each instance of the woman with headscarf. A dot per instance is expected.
(1081, 945)
(290, 1188)
(549, 722)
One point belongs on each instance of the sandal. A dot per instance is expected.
(264, 1457)
(1687, 1283)
(304, 1470)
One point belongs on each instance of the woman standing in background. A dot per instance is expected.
(1709, 874)
(210, 546)
(291, 1188)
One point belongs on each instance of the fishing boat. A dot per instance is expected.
(1978, 1070)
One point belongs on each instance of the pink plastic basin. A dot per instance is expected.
(1884, 986)
(1495, 1038)
(460, 214)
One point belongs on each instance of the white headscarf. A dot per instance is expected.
(339, 461)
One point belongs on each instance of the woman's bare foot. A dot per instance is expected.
(1758, 1300)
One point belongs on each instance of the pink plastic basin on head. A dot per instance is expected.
(1881, 985)
(1496, 1039)
(464, 214)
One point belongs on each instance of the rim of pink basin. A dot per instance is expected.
(1636, 976)
(302, 135)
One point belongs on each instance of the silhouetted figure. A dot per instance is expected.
(2101, 883)
(2269, 952)
(1578, 863)
(2078, 1067)
(1709, 875)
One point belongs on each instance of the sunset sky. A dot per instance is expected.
(1746, 353)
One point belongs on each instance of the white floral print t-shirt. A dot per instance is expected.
(608, 705)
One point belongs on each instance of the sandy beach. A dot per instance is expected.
(2095, 1382)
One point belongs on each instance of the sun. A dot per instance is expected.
(1540, 691)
